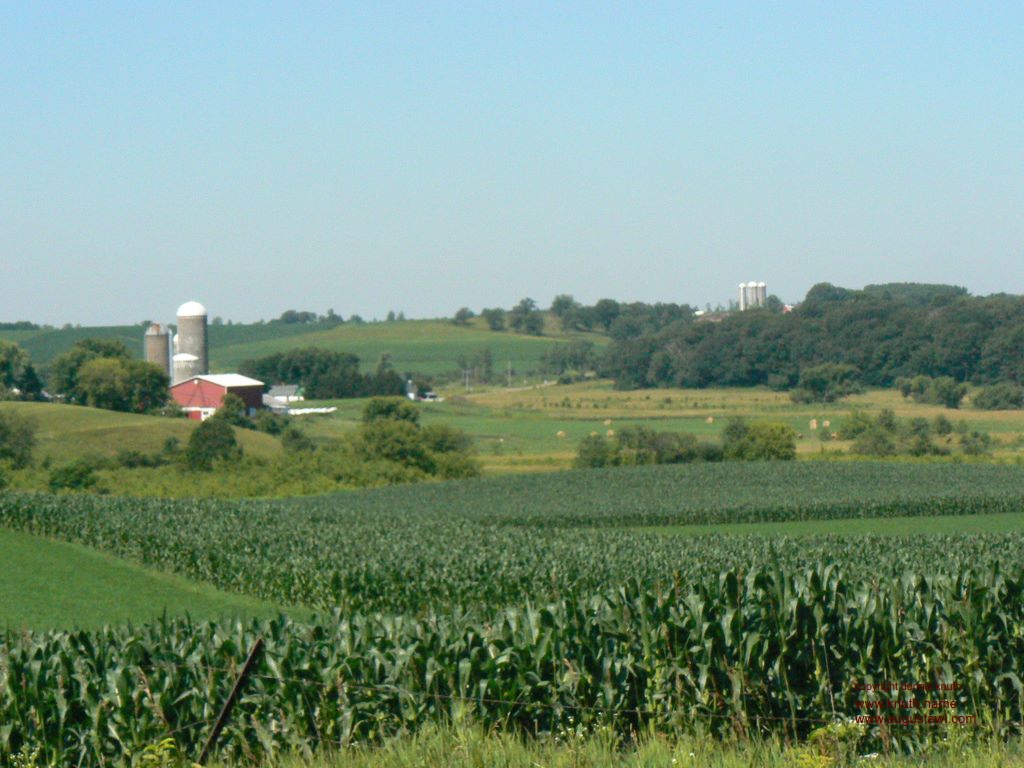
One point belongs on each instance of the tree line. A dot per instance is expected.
(876, 335)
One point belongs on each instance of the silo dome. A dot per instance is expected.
(191, 309)
(156, 330)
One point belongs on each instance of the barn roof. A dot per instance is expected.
(226, 380)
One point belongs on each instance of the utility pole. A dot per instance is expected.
(510, 374)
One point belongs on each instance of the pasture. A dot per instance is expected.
(538, 427)
(68, 432)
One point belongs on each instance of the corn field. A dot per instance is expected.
(492, 601)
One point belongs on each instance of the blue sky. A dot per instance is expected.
(425, 156)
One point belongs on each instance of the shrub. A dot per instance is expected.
(826, 383)
(294, 439)
(594, 451)
(975, 443)
(233, 411)
(758, 441)
(77, 476)
(132, 459)
(390, 408)
(17, 438)
(269, 422)
(441, 438)
(640, 445)
(941, 391)
(1000, 397)
(396, 440)
(942, 425)
(213, 440)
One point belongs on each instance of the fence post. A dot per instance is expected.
(225, 711)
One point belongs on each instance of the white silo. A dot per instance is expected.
(762, 294)
(192, 338)
(743, 296)
(185, 367)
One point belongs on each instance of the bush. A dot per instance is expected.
(213, 440)
(269, 422)
(390, 408)
(639, 445)
(294, 439)
(396, 440)
(976, 443)
(233, 411)
(441, 438)
(131, 459)
(17, 438)
(759, 441)
(875, 441)
(886, 435)
(941, 391)
(826, 383)
(77, 476)
(594, 451)
(1000, 397)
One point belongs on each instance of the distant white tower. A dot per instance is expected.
(753, 294)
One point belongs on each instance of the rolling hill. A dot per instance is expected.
(427, 347)
(68, 432)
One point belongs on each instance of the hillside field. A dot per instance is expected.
(427, 347)
(68, 432)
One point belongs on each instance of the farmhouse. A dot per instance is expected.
(285, 393)
(201, 396)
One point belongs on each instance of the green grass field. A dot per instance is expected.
(539, 427)
(427, 347)
(47, 584)
(69, 432)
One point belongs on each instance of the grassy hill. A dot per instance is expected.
(45, 344)
(68, 432)
(47, 584)
(420, 346)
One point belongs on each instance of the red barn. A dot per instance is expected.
(201, 396)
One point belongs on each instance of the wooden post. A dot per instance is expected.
(225, 711)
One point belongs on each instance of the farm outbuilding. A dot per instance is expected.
(201, 396)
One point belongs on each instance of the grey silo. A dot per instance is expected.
(158, 347)
(193, 336)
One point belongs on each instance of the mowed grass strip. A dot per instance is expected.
(889, 526)
(46, 584)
